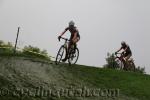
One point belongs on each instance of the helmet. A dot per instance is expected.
(123, 43)
(71, 23)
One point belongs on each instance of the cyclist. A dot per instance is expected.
(127, 51)
(74, 38)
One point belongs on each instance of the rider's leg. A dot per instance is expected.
(126, 58)
(123, 61)
(75, 41)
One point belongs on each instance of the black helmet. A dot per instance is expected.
(123, 43)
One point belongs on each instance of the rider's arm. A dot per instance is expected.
(119, 49)
(64, 31)
(126, 48)
(76, 33)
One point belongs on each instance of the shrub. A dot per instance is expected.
(110, 62)
(6, 48)
(35, 52)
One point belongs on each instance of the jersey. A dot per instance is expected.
(72, 31)
(128, 50)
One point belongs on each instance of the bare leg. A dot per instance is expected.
(127, 57)
(74, 41)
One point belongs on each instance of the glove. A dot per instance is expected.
(59, 38)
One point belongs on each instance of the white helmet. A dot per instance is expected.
(71, 23)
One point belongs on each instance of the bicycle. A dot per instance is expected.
(73, 52)
(119, 59)
(125, 65)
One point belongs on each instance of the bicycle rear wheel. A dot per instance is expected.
(131, 66)
(60, 55)
(73, 56)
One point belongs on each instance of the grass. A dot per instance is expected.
(130, 83)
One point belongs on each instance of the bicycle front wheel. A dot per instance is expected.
(60, 55)
(120, 63)
(73, 56)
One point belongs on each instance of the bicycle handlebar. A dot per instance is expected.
(117, 53)
(121, 54)
(65, 39)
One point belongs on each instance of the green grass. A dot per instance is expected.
(130, 83)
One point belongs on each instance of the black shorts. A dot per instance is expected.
(127, 53)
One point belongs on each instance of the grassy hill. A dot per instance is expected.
(25, 78)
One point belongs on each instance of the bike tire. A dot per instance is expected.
(120, 63)
(132, 66)
(73, 56)
(60, 54)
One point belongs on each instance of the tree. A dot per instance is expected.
(110, 62)
(1, 43)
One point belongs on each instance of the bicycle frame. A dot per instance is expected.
(66, 42)
(70, 53)
(121, 58)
